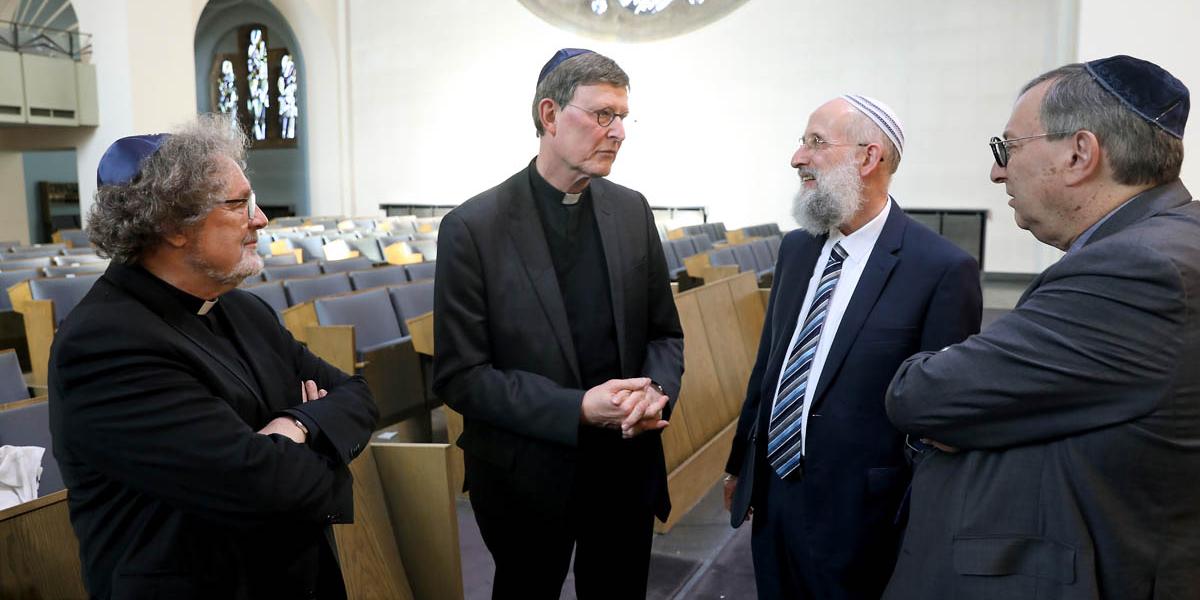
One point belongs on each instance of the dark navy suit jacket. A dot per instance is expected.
(917, 292)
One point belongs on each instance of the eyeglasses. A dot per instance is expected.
(251, 204)
(815, 143)
(604, 116)
(1000, 146)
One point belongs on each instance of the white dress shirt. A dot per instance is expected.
(858, 246)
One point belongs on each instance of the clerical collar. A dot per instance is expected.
(549, 194)
(190, 303)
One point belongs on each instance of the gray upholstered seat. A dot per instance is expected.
(762, 255)
(12, 382)
(280, 260)
(371, 314)
(65, 292)
(271, 292)
(369, 247)
(378, 277)
(28, 263)
(722, 257)
(746, 260)
(84, 269)
(346, 264)
(427, 248)
(308, 269)
(306, 288)
(24, 253)
(702, 243)
(71, 260)
(77, 250)
(313, 247)
(30, 426)
(421, 270)
(411, 300)
(773, 243)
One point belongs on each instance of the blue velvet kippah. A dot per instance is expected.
(1145, 88)
(122, 162)
(558, 58)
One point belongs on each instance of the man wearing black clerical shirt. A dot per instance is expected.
(557, 339)
(204, 449)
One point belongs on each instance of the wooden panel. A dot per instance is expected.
(736, 236)
(764, 295)
(700, 390)
(281, 247)
(677, 438)
(421, 330)
(696, 264)
(454, 428)
(297, 319)
(725, 340)
(400, 254)
(692, 480)
(416, 483)
(22, 403)
(369, 555)
(39, 550)
(675, 234)
(750, 312)
(335, 345)
(715, 274)
(38, 316)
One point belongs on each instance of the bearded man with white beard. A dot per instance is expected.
(858, 288)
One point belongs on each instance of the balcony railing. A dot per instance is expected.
(46, 41)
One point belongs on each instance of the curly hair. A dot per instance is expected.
(175, 190)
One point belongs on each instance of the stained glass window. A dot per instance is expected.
(631, 20)
(260, 85)
(288, 111)
(638, 7)
(227, 96)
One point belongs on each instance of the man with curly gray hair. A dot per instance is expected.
(196, 467)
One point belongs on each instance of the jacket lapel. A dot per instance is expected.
(134, 281)
(607, 223)
(790, 300)
(525, 229)
(874, 276)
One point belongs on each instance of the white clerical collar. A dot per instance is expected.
(207, 306)
(571, 199)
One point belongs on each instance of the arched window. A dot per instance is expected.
(258, 87)
(631, 20)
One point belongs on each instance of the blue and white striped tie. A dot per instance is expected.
(784, 440)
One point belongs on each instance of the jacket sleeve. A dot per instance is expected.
(344, 418)
(463, 373)
(1096, 344)
(664, 335)
(141, 416)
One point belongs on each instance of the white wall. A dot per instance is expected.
(1163, 32)
(14, 220)
(441, 94)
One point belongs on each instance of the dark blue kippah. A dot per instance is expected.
(122, 162)
(1145, 88)
(558, 58)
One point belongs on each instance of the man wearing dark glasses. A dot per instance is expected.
(205, 450)
(1069, 430)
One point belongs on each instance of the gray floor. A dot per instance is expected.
(701, 558)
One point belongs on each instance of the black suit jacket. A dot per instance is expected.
(173, 494)
(1078, 416)
(504, 354)
(917, 292)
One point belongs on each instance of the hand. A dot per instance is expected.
(644, 408)
(310, 391)
(939, 446)
(285, 426)
(731, 483)
(602, 406)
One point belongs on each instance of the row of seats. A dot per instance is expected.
(21, 253)
(714, 231)
(289, 286)
(763, 231)
(378, 315)
(756, 256)
(679, 249)
(396, 224)
(314, 246)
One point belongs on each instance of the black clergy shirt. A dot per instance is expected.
(578, 257)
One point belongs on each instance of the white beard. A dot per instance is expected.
(834, 201)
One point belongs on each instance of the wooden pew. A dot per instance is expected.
(722, 321)
(40, 552)
(39, 330)
(421, 329)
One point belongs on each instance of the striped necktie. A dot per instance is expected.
(783, 438)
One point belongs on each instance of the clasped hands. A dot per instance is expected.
(632, 405)
(286, 426)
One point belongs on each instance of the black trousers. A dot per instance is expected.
(531, 546)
